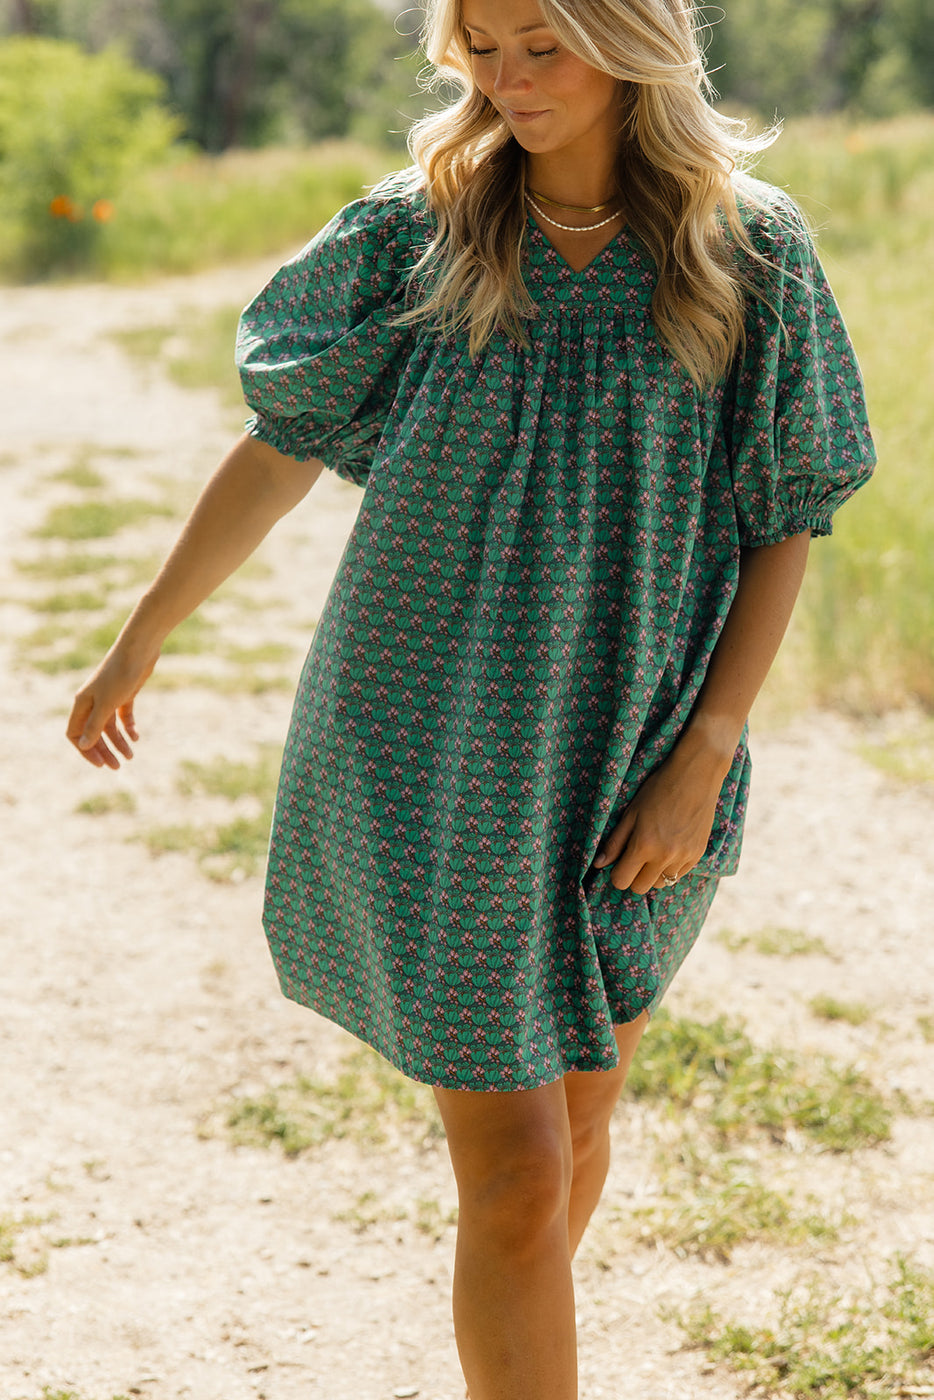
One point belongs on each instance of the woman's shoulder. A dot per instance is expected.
(773, 222)
(391, 216)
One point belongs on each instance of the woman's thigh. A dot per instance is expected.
(591, 1096)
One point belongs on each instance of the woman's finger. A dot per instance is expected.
(611, 848)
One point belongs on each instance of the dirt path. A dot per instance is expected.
(149, 1256)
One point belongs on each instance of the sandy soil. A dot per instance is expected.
(137, 996)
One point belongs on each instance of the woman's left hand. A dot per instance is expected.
(665, 829)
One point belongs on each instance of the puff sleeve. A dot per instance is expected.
(794, 412)
(319, 353)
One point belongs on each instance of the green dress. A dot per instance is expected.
(546, 549)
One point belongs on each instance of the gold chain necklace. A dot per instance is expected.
(574, 208)
(571, 228)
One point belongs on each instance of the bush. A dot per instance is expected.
(73, 127)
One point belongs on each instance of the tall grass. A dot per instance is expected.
(866, 625)
(204, 210)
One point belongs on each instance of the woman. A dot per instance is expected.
(601, 398)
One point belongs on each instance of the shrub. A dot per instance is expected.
(73, 127)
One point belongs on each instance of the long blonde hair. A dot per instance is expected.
(681, 167)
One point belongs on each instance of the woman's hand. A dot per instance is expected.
(665, 829)
(102, 726)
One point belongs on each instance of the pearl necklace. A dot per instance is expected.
(571, 228)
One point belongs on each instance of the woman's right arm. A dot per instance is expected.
(253, 487)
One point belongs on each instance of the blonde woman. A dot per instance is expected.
(600, 397)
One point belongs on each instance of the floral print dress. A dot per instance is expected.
(546, 549)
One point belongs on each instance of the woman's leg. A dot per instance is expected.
(591, 1099)
(513, 1296)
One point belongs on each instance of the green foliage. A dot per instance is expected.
(779, 56)
(210, 209)
(73, 128)
(714, 1066)
(828, 1008)
(865, 1345)
(775, 941)
(710, 1202)
(367, 1098)
(97, 519)
(867, 615)
(224, 850)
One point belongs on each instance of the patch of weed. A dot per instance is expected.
(54, 648)
(907, 756)
(712, 1202)
(368, 1210)
(81, 475)
(191, 637)
(116, 802)
(233, 778)
(97, 520)
(78, 601)
(869, 1345)
(32, 1263)
(737, 1086)
(367, 1097)
(69, 565)
(926, 1027)
(431, 1220)
(224, 850)
(775, 942)
(828, 1008)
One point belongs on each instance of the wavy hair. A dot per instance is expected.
(681, 167)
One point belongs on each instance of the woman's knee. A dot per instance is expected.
(522, 1191)
(512, 1160)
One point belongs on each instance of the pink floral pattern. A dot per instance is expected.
(546, 550)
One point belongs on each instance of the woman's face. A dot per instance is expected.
(553, 102)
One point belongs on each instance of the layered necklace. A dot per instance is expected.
(533, 196)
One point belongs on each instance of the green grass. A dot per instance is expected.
(872, 1343)
(98, 519)
(866, 624)
(81, 475)
(224, 850)
(117, 802)
(78, 600)
(207, 210)
(74, 563)
(233, 778)
(737, 1087)
(906, 754)
(775, 942)
(365, 1100)
(196, 351)
(56, 647)
(710, 1202)
(828, 1008)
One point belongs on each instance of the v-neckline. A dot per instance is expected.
(562, 260)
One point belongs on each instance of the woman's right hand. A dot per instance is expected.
(101, 725)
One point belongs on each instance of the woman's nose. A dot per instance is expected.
(511, 79)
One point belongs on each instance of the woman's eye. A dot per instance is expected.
(543, 53)
(479, 53)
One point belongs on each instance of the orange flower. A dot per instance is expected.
(102, 210)
(61, 207)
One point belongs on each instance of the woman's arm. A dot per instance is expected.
(666, 827)
(252, 488)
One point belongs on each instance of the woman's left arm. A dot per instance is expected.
(665, 829)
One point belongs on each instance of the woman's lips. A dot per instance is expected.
(515, 116)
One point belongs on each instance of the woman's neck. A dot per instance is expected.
(584, 188)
